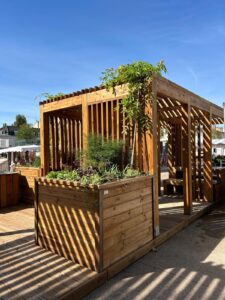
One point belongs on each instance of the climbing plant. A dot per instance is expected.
(138, 77)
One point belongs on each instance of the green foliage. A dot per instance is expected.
(216, 134)
(95, 177)
(20, 120)
(37, 162)
(138, 78)
(48, 96)
(217, 160)
(64, 175)
(25, 132)
(101, 152)
(129, 172)
(112, 174)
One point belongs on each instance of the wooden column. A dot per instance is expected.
(155, 160)
(84, 121)
(44, 141)
(159, 162)
(207, 159)
(169, 147)
(186, 159)
(194, 186)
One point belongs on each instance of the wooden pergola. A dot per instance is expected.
(67, 121)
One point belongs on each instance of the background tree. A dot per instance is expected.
(25, 132)
(20, 120)
(216, 134)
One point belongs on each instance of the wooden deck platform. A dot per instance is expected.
(29, 272)
(172, 218)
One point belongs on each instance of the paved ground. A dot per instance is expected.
(191, 265)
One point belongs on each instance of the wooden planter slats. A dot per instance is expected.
(9, 189)
(26, 182)
(96, 225)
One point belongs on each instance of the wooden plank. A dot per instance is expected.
(186, 156)
(44, 141)
(62, 157)
(112, 121)
(107, 120)
(57, 143)
(155, 159)
(207, 159)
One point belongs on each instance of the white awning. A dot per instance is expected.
(20, 149)
(218, 142)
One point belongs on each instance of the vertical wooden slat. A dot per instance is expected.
(70, 141)
(66, 140)
(97, 120)
(84, 122)
(62, 141)
(207, 163)
(155, 159)
(80, 136)
(112, 120)
(76, 136)
(73, 139)
(186, 148)
(102, 121)
(53, 164)
(107, 120)
(92, 120)
(199, 161)
(57, 144)
(44, 140)
(117, 120)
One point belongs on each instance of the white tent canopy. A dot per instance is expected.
(218, 142)
(20, 149)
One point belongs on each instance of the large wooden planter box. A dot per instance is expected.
(94, 226)
(9, 189)
(26, 182)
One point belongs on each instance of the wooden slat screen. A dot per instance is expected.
(65, 141)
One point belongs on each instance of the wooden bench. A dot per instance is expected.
(172, 185)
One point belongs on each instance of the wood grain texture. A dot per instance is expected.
(26, 182)
(9, 189)
(94, 226)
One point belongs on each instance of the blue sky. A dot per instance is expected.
(63, 46)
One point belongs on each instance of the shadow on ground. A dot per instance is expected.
(189, 266)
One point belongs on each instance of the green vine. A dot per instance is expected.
(138, 78)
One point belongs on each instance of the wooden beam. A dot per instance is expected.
(167, 88)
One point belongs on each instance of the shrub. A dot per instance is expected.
(95, 177)
(101, 152)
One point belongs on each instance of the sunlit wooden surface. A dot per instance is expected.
(26, 270)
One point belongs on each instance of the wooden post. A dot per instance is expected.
(159, 156)
(155, 160)
(169, 147)
(84, 121)
(186, 158)
(44, 140)
(194, 186)
(207, 159)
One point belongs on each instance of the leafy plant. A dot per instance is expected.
(129, 172)
(37, 162)
(101, 152)
(94, 177)
(138, 77)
